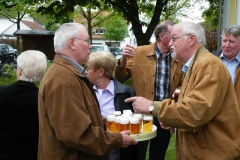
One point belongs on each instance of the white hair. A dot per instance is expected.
(65, 32)
(33, 64)
(195, 29)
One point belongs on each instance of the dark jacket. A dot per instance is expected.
(19, 121)
(123, 92)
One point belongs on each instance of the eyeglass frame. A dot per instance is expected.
(173, 38)
(87, 41)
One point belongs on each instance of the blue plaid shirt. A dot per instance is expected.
(162, 78)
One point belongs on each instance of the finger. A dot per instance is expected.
(131, 99)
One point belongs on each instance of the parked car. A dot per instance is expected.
(116, 51)
(7, 51)
(99, 48)
(8, 55)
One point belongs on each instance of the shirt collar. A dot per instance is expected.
(110, 87)
(75, 64)
(158, 52)
(236, 58)
(186, 65)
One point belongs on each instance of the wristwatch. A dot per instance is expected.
(151, 108)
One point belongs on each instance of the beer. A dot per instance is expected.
(124, 124)
(134, 126)
(139, 116)
(147, 124)
(110, 123)
(117, 123)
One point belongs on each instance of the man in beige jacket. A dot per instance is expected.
(206, 115)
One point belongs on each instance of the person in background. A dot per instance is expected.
(71, 125)
(230, 55)
(19, 109)
(206, 115)
(110, 94)
(155, 75)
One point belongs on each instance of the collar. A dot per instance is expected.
(158, 52)
(186, 65)
(110, 87)
(236, 58)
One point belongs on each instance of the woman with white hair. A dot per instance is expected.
(19, 109)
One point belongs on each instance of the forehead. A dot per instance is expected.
(176, 30)
(230, 36)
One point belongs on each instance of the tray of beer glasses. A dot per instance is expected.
(141, 126)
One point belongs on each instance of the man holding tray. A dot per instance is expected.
(206, 115)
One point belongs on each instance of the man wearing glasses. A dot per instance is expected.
(206, 115)
(70, 122)
(155, 75)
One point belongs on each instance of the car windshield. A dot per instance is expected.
(97, 48)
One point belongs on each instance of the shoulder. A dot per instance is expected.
(119, 87)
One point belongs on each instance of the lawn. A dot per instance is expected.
(170, 155)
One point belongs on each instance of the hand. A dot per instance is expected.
(140, 104)
(127, 140)
(162, 126)
(127, 52)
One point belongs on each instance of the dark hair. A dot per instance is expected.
(162, 28)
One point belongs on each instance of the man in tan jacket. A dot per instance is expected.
(155, 75)
(206, 115)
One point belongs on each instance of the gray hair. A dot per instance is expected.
(65, 32)
(33, 64)
(162, 28)
(232, 30)
(195, 29)
(103, 59)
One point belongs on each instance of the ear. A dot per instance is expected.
(161, 36)
(101, 71)
(19, 73)
(71, 42)
(192, 39)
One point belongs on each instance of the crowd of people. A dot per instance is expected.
(66, 117)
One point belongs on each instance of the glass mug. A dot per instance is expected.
(134, 126)
(117, 123)
(147, 123)
(139, 116)
(124, 124)
(110, 123)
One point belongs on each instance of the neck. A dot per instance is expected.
(164, 50)
(103, 83)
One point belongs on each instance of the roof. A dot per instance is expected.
(33, 25)
(34, 33)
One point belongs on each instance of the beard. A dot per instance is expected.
(173, 52)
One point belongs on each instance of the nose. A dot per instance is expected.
(170, 43)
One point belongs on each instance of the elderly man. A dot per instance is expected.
(206, 115)
(230, 55)
(71, 125)
(155, 75)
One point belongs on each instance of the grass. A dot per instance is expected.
(170, 154)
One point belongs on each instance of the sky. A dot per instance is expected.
(195, 14)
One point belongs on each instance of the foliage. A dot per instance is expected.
(211, 15)
(9, 76)
(116, 30)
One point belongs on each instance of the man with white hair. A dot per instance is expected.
(206, 115)
(71, 126)
(19, 109)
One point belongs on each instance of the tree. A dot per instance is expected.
(211, 14)
(116, 30)
(15, 13)
(93, 16)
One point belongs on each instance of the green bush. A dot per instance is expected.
(9, 76)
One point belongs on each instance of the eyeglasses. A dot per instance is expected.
(173, 38)
(88, 40)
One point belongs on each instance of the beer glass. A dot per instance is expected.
(117, 123)
(117, 113)
(110, 123)
(134, 126)
(139, 116)
(147, 123)
(124, 124)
